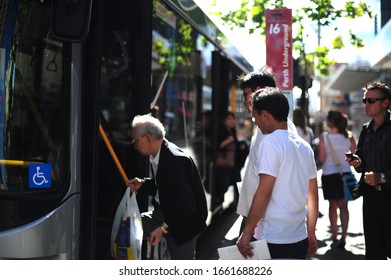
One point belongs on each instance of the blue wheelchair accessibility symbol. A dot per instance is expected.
(40, 176)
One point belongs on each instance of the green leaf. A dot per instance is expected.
(338, 43)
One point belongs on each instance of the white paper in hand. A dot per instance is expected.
(260, 250)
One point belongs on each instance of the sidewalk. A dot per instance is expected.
(355, 245)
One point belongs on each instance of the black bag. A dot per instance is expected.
(351, 187)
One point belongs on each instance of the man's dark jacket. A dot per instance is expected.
(181, 193)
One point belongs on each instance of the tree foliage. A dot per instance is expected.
(320, 13)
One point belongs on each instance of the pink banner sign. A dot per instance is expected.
(279, 46)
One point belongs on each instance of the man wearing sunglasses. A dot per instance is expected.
(373, 160)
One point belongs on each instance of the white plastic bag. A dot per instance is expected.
(127, 230)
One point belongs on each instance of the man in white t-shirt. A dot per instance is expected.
(250, 83)
(284, 209)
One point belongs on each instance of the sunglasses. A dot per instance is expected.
(371, 100)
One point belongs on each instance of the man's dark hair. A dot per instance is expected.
(383, 88)
(272, 100)
(261, 78)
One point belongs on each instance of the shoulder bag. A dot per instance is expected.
(350, 183)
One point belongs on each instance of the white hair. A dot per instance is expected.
(146, 124)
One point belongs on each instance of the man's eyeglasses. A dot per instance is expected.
(134, 141)
(371, 100)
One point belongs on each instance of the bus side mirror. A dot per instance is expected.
(71, 19)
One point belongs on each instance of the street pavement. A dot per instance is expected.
(355, 244)
(225, 229)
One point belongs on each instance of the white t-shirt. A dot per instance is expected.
(250, 179)
(341, 145)
(290, 159)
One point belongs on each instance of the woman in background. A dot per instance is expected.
(302, 127)
(341, 141)
(227, 174)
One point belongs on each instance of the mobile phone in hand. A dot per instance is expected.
(351, 156)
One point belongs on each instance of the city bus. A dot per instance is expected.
(68, 68)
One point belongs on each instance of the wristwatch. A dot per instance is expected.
(164, 228)
(143, 180)
(382, 178)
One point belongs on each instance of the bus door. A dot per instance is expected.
(118, 80)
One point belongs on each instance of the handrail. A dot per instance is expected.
(113, 154)
(16, 162)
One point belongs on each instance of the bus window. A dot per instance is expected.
(173, 77)
(32, 108)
